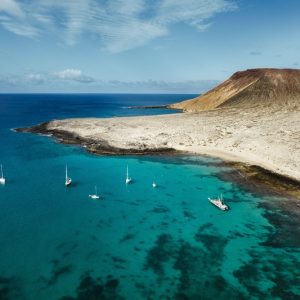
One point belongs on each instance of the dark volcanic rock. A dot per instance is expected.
(93, 146)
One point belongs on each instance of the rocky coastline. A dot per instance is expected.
(100, 147)
(249, 174)
(250, 120)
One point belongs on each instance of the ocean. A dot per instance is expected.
(136, 241)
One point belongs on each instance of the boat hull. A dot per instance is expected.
(68, 182)
(219, 205)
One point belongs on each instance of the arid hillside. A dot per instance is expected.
(249, 89)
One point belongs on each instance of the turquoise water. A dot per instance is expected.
(136, 242)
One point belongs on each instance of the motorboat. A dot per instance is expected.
(219, 203)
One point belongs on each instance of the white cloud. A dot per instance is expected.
(14, 18)
(21, 28)
(11, 7)
(72, 80)
(34, 77)
(44, 79)
(118, 24)
(73, 75)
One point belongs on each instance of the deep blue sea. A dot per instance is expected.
(135, 242)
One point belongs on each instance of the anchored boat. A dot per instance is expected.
(68, 180)
(2, 178)
(95, 196)
(128, 179)
(219, 203)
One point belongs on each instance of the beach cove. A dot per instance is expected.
(136, 242)
(267, 139)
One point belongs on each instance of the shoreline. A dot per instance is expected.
(252, 138)
(101, 147)
(234, 158)
(250, 172)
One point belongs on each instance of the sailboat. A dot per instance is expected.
(68, 179)
(128, 179)
(219, 203)
(154, 184)
(95, 196)
(2, 179)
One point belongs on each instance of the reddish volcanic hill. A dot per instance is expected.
(250, 88)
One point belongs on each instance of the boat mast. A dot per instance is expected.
(66, 172)
(127, 175)
(1, 172)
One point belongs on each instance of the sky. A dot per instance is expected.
(141, 46)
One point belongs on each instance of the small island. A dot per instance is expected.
(253, 117)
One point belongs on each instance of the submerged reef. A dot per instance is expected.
(90, 288)
(200, 264)
(10, 288)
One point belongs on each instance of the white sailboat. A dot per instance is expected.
(128, 179)
(95, 196)
(68, 180)
(2, 179)
(154, 184)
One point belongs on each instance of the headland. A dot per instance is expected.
(253, 118)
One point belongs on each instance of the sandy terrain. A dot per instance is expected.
(268, 138)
